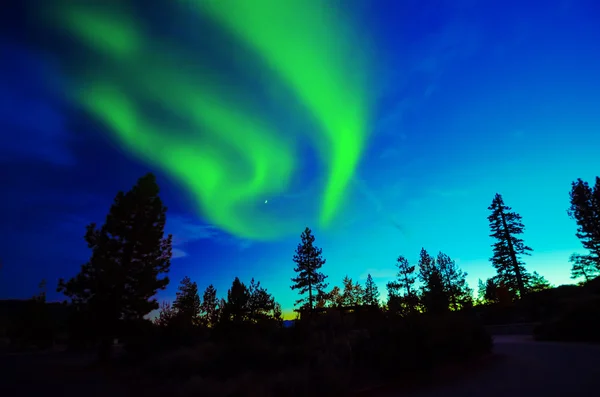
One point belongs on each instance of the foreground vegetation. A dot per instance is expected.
(345, 338)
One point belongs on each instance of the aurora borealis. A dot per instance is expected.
(217, 146)
(385, 126)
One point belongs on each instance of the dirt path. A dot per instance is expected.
(524, 368)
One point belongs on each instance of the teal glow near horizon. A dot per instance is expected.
(384, 126)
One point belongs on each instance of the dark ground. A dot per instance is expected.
(519, 367)
(55, 374)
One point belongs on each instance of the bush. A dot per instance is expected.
(320, 358)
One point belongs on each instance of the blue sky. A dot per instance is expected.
(471, 98)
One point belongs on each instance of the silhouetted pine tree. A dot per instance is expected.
(435, 296)
(401, 292)
(538, 282)
(187, 303)
(209, 310)
(237, 304)
(129, 254)
(260, 302)
(309, 260)
(334, 297)
(371, 293)
(585, 209)
(426, 266)
(584, 266)
(490, 293)
(165, 316)
(278, 314)
(505, 226)
(221, 310)
(455, 282)
(352, 293)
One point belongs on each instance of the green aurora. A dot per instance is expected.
(239, 158)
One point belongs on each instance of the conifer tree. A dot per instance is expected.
(406, 276)
(402, 295)
(278, 314)
(352, 293)
(237, 304)
(309, 281)
(129, 255)
(584, 266)
(209, 310)
(187, 303)
(454, 280)
(585, 210)
(426, 266)
(537, 283)
(505, 226)
(480, 292)
(260, 302)
(371, 293)
(165, 315)
(435, 296)
(334, 297)
(490, 293)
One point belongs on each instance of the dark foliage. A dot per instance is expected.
(309, 280)
(584, 267)
(330, 354)
(187, 304)
(505, 226)
(129, 254)
(434, 295)
(236, 307)
(209, 308)
(454, 281)
(585, 210)
(352, 294)
(371, 293)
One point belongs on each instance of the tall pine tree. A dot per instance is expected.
(352, 293)
(129, 255)
(209, 310)
(426, 266)
(505, 226)
(260, 303)
(237, 306)
(187, 303)
(455, 282)
(402, 295)
(434, 293)
(370, 293)
(406, 276)
(309, 281)
(435, 296)
(585, 210)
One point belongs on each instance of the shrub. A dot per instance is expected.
(323, 357)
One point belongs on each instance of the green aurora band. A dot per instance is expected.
(238, 159)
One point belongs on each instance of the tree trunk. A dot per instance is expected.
(513, 255)
(310, 299)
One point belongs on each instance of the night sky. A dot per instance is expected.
(385, 126)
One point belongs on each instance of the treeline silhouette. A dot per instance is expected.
(343, 339)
